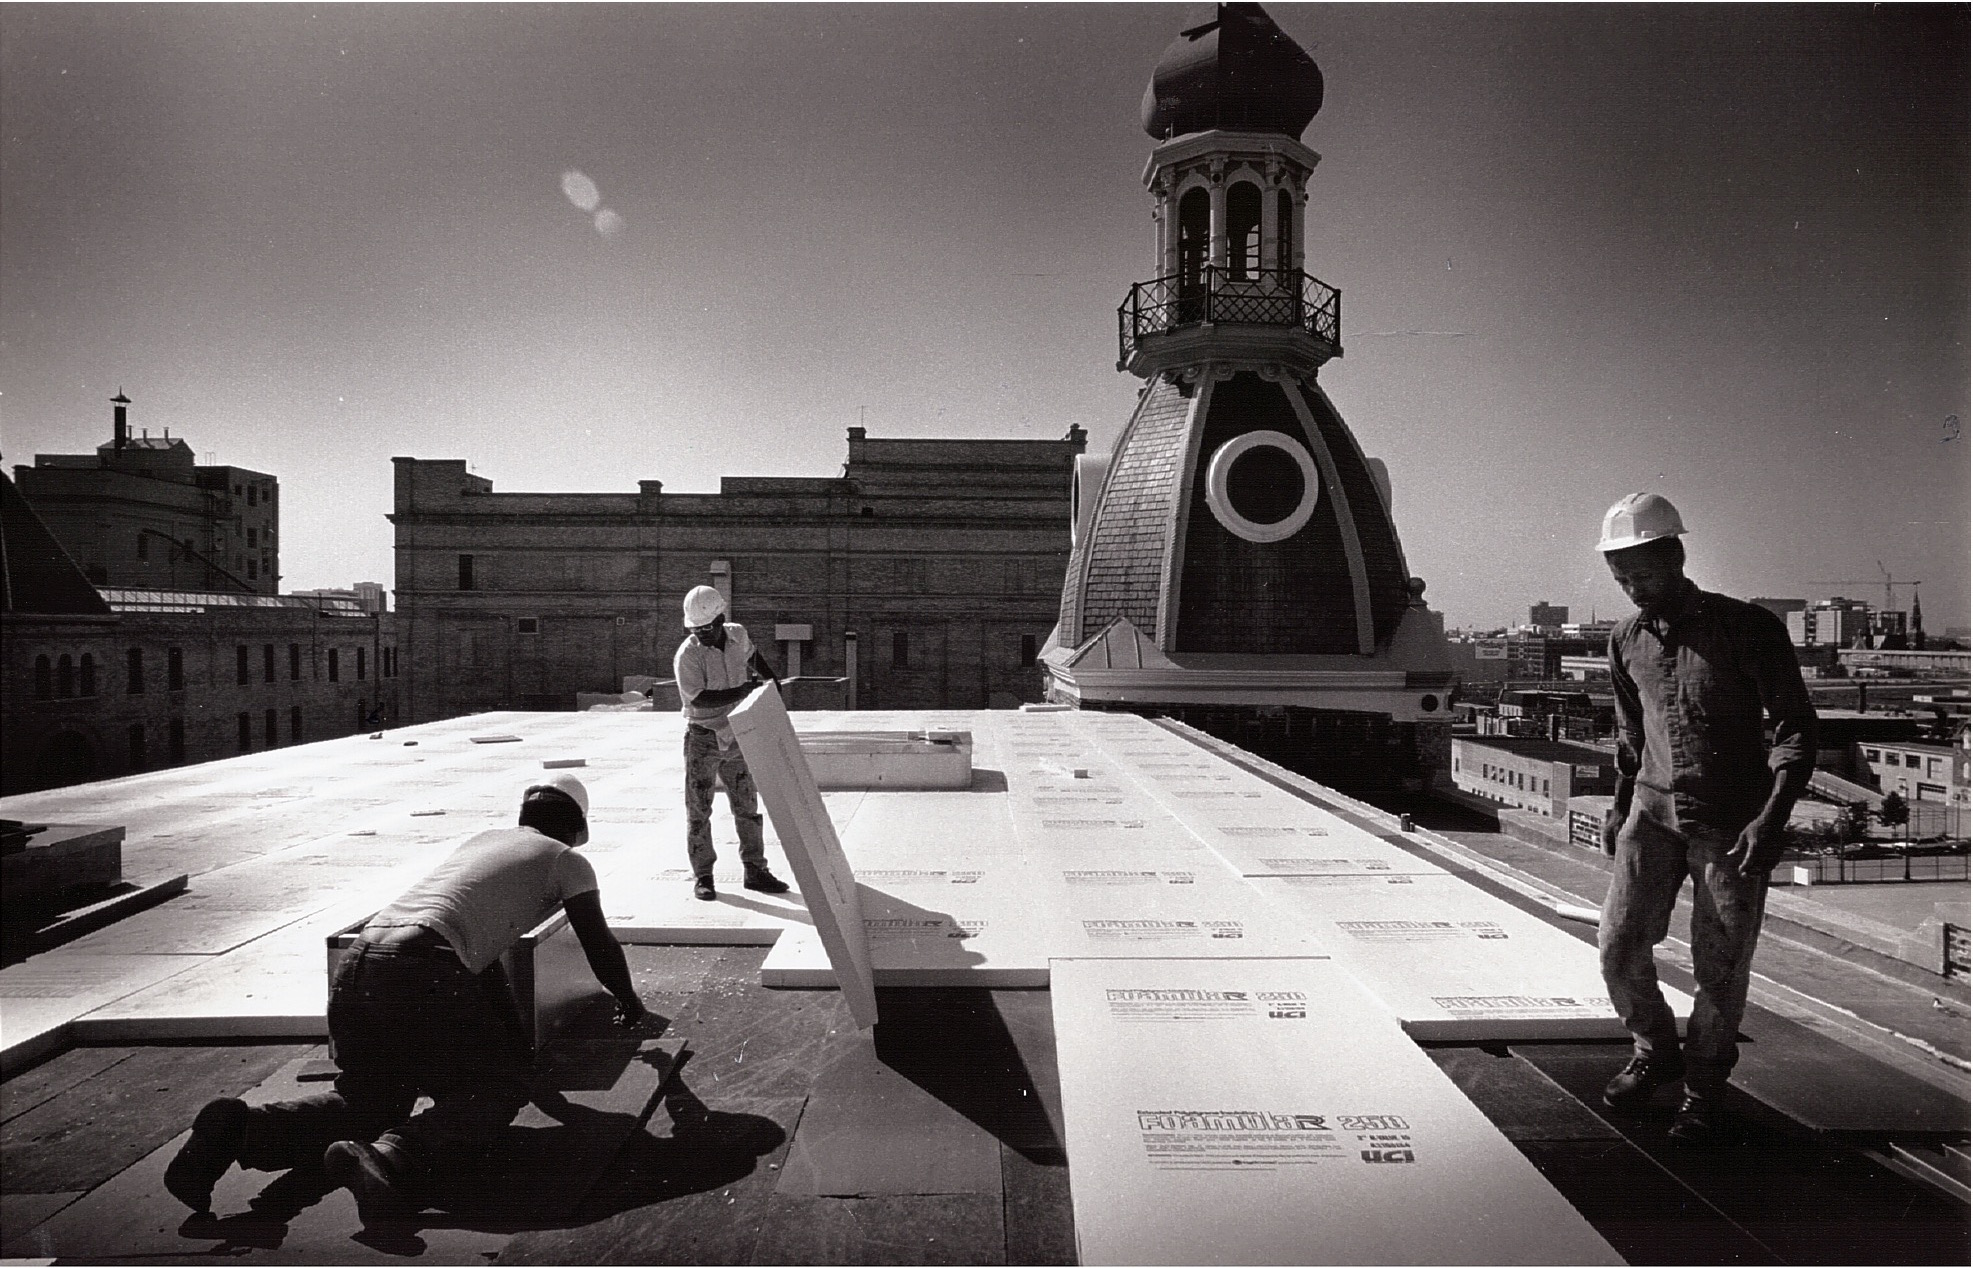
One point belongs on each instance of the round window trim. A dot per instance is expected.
(1221, 467)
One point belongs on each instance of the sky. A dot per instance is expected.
(1715, 251)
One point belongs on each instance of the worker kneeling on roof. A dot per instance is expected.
(421, 1006)
(716, 666)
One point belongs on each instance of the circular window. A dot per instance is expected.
(1262, 486)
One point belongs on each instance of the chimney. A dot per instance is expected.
(122, 404)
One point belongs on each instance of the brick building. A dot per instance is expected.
(142, 512)
(927, 573)
(106, 681)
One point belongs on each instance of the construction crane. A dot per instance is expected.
(1887, 581)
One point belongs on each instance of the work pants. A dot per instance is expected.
(407, 1021)
(1652, 864)
(704, 763)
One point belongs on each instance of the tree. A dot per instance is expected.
(1853, 824)
(1894, 813)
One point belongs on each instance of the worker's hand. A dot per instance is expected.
(1757, 849)
(630, 1014)
(1613, 823)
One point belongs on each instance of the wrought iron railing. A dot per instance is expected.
(1265, 297)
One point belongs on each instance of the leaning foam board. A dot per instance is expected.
(801, 820)
(1268, 1112)
(1453, 962)
(930, 927)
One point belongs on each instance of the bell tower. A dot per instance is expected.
(1235, 553)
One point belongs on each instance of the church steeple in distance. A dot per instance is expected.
(1237, 526)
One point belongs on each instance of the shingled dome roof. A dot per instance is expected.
(1232, 68)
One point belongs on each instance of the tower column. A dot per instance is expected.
(1216, 235)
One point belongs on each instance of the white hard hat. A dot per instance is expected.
(569, 785)
(1638, 518)
(702, 604)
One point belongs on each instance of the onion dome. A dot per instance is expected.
(1232, 68)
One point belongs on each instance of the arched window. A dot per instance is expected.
(64, 678)
(135, 677)
(1195, 221)
(44, 679)
(88, 686)
(1284, 217)
(1243, 231)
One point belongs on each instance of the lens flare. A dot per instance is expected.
(581, 191)
(609, 223)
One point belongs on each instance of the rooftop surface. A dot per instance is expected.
(752, 1124)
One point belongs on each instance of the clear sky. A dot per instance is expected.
(1716, 251)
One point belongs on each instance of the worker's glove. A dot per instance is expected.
(631, 1014)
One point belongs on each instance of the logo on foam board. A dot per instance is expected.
(1160, 930)
(1119, 876)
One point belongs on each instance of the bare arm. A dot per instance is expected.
(605, 957)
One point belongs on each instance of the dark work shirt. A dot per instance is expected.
(1691, 685)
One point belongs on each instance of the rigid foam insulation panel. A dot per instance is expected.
(546, 969)
(62, 856)
(1269, 1112)
(931, 824)
(889, 759)
(652, 908)
(41, 998)
(815, 855)
(1453, 962)
(930, 927)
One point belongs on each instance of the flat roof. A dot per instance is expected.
(1541, 749)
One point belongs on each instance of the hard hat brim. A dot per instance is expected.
(1610, 544)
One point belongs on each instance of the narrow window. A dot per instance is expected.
(1284, 219)
(900, 650)
(174, 669)
(294, 725)
(88, 687)
(253, 570)
(1195, 216)
(465, 572)
(64, 678)
(1027, 650)
(271, 728)
(267, 662)
(44, 678)
(294, 662)
(135, 671)
(253, 538)
(1243, 231)
(143, 545)
(360, 663)
(137, 746)
(241, 666)
(527, 625)
(246, 732)
(335, 666)
(177, 741)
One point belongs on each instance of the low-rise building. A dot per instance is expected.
(1531, 774)
(1915, 770)
(106, 681)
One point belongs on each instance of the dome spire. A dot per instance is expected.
(1232, 68)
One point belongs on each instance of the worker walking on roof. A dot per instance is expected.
(1700, 792)
(421, 1006)
(716, 666)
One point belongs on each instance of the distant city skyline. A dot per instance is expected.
(1716, 251)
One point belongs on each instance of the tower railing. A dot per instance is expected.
(1216, 294)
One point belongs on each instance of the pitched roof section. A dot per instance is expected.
(1132, 523)
(36, 574)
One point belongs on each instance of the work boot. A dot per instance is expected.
(217, 1133)
(1699, 1121)
(1641, 1077)
(763, 881)
(365, 1172)
(702, 889)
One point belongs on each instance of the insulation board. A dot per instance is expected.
(937, 931)
(822, 871)
(1269, 1112)
(1453, 962)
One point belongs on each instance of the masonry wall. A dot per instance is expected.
(56, 734)
(941, 557)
